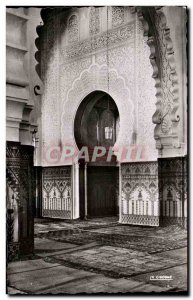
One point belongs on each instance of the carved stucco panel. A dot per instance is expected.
(117, 15)
(99, 42)
(94, 21)
(73, 29)
(50, 97)
(68, 73)
(139, 203)
(121, 58)
(167, 114)
(145, 95)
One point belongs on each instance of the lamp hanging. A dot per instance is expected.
(108, 129)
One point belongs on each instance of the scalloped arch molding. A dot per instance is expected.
(93, 79)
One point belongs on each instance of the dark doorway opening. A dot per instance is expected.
(97, 124)
(102, 193)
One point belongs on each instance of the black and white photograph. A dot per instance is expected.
(97, 195)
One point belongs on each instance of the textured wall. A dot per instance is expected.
(57, 192)
(177, 22)
(74, 63)
(154, 193)
(173, 190)
(167, 42)
(139, 194)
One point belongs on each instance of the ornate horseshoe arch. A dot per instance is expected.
(93, 79)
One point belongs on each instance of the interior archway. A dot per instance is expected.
(96, 124)
(96, 121)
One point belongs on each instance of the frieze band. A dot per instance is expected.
(98, 42)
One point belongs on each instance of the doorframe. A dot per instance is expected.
(85, 197)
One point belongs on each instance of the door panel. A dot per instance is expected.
(101, 191)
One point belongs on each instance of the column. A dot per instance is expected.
(85, 192)
(76, 212)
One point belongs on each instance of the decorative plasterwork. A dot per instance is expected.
(57, 192)
(73, 29)
(94, 21)
(169, 83)
(117, 15)
(98, 42)
(166, 116)
(139, 194)
(162, 59)
(173, 190)
(92, 79)
(121, 57)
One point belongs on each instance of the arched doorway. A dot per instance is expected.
(97, 125)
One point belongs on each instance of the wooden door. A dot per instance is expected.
(101, 191)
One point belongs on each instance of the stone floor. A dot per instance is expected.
(102, 256)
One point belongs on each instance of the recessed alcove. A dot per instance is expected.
(97, 121)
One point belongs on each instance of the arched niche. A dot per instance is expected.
(95, 121)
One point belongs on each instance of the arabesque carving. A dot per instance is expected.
(117, 15)
(162, 59)
(94, 21)
(73, 29)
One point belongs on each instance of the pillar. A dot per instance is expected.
(20, 200)
(85, 193)
(172, 173)
(75, 204)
